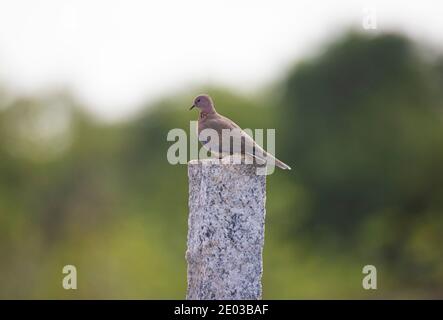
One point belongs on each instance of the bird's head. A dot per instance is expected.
(204, 103)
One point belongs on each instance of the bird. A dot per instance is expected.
(209, 118)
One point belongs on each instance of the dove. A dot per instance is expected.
(210, 119)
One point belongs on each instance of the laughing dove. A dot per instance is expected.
(242, 143)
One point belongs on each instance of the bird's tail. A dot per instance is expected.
(277, 162)
(281, 164)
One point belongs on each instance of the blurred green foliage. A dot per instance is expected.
(361, 124)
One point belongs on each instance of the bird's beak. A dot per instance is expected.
(192, 107)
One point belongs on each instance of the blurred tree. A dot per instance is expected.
(364, 123)
(362, 128)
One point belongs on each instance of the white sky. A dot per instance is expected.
(116, 54)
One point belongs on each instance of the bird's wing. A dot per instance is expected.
(247, 144)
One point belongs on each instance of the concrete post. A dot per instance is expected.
(226, 230)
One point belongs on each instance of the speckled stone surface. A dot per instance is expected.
(226, 230)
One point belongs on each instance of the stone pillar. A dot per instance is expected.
(226, 230)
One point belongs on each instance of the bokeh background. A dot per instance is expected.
(358, 115)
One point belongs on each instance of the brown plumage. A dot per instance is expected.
(241, 142)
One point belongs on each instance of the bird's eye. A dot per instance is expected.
(198, 100)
